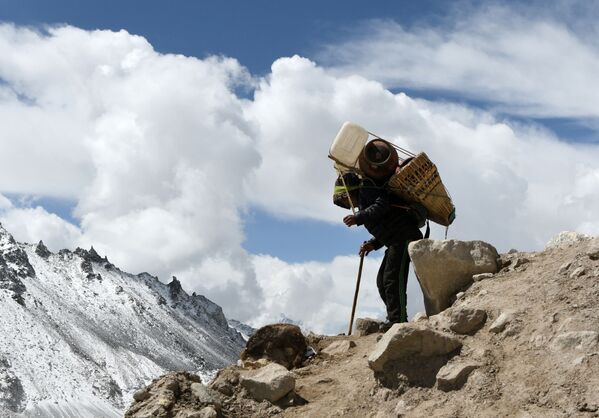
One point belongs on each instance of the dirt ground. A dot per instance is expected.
(544, 363)
(523, 371)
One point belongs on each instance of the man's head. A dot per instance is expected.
(350, 183)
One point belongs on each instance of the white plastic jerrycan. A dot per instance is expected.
(348, 145)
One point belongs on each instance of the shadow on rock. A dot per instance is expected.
(412, 371)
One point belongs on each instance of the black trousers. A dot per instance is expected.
(392, 281)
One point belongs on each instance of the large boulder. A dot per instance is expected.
(410, 339)
(566, 239)
(269, 383)
(281, 343)
(445, 267)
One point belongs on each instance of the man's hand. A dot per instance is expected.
(349, 220)
(366, 248)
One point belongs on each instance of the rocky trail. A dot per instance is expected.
(520, 342)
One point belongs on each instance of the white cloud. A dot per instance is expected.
(321, 294)
(163, 159)
(34, 224)
(539, 61)
(318, 294)
(297, 111)
(5, 203)
(153, 148)
(510, 182)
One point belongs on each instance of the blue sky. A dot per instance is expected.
(211, 165)
(256, 33)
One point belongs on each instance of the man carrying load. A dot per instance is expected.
(393, 224)
(395, 196)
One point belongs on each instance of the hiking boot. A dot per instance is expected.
(384, 326)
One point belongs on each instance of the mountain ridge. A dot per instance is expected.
(80, 335)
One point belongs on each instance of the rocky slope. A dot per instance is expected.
(78, 335)
(520, 342)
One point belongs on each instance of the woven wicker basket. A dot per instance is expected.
(419, 181)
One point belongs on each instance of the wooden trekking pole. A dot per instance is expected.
(353, 210)
(353, 309)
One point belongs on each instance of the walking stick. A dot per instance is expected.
(353, 210)
(353, 309)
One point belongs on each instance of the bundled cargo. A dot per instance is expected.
(418, 180)
(414, 177)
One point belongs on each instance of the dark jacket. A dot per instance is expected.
(387, 217)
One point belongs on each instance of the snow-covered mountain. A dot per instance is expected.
(245, 330)
(78, 336)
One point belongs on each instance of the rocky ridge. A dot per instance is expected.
(14, 266)
(79, 335)
(520, 341)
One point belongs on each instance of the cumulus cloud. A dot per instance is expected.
(153, 148)
(320, 295)
(330, 286)
(34, 224)
(5, 203)
(297, 110)
(163, 159)
(536, 60)
(511, 183)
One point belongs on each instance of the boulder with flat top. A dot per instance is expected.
(410, 339)
(269, 383)
(444, 267)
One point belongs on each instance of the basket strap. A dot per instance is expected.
(401, 207)
(351, 203)
(343, 189)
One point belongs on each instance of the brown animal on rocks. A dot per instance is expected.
(282, 343)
